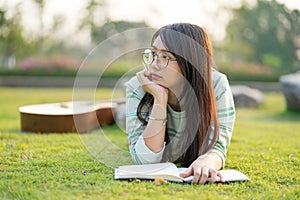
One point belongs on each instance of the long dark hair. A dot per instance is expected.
(191, 47)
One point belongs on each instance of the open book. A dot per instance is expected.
(170, 172)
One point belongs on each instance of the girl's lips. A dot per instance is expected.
(155, 76)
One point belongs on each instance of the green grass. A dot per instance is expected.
(264, 146)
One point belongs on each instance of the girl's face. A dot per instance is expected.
(169, 76)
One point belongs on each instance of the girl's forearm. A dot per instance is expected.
(154, 134)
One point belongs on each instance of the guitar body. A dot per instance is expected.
(66, 117)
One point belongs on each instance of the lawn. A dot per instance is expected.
(264, 146)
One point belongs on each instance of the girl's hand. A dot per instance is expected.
(203, 169)
(157, 91)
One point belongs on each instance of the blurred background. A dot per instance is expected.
(253, 40)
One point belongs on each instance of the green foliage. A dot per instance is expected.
(271, 60)
(266, 33)
(39, 71)
(101, 30)
(18, 42)
(11, 35)
(68, 67)
(243, 71)
(122, 68)
(110, 28)
(57, 166)
(56, 65)
(89, 20)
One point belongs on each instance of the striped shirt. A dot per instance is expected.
(141, 154)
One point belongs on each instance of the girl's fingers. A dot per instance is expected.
(197, 174)
(213, 175)
(204, 175)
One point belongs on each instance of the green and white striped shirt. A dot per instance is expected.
(141, 154)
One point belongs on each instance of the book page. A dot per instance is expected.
(228, 175)
(187, 179)
(164, 170)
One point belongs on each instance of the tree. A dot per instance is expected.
(12, 41)
(44, 39)
(110, 28)
(99, 26)
(16, 43)
(267, 33)
(89, 20)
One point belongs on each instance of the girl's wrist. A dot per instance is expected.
(161, 100)
(216, 159)
(163, 120)
(159, 111)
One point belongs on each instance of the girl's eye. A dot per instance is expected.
(165, 56)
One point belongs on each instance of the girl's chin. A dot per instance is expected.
(159, 83)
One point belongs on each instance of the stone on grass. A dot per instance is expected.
(246, 97)
(290, 85)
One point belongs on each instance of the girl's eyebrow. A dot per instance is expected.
(163, 50)
(154, 47)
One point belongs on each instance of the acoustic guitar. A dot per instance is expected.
(68, 116)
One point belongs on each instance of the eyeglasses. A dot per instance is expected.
(162, 59)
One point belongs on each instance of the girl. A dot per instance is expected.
(180, 109)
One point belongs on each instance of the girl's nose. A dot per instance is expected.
(154, 65)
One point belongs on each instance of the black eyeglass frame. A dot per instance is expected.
(153, 54)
